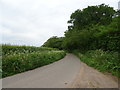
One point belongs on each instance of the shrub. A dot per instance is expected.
(14, 64)
(12, 49)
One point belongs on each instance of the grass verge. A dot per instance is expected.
(104, 61)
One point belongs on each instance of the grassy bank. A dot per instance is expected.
(104, 61)
(22, 58)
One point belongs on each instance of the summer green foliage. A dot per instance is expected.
(14, 49)
(104, 61)
(106, 37)
(54, 42)
(100, 14)
(94, 28)
(27, 58)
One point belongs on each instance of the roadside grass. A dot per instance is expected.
(104, 61)
(14, 62)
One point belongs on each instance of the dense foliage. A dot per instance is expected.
(54, 42)
(13, 49)
(94, 28)
(101, 14)
(17, 59)
(94, 37)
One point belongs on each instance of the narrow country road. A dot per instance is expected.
(68, 72)
(56, 75)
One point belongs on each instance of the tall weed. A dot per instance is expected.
(104, 61)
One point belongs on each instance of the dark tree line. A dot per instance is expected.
(94, 27)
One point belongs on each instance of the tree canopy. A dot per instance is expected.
(101, 14)
(54, 42)
(94, 27)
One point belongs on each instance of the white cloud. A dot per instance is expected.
(32, 22)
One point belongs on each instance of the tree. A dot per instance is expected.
(54, 42)
(94, 27)
(101, 14)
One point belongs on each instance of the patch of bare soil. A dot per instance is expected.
(91, 78)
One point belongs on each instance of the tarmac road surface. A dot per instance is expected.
(68, 72)
(56, 75)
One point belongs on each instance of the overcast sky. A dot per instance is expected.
(32, 22)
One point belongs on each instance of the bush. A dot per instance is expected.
(54, 42)
(13, 49)
(17, 59)
(14, 64)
